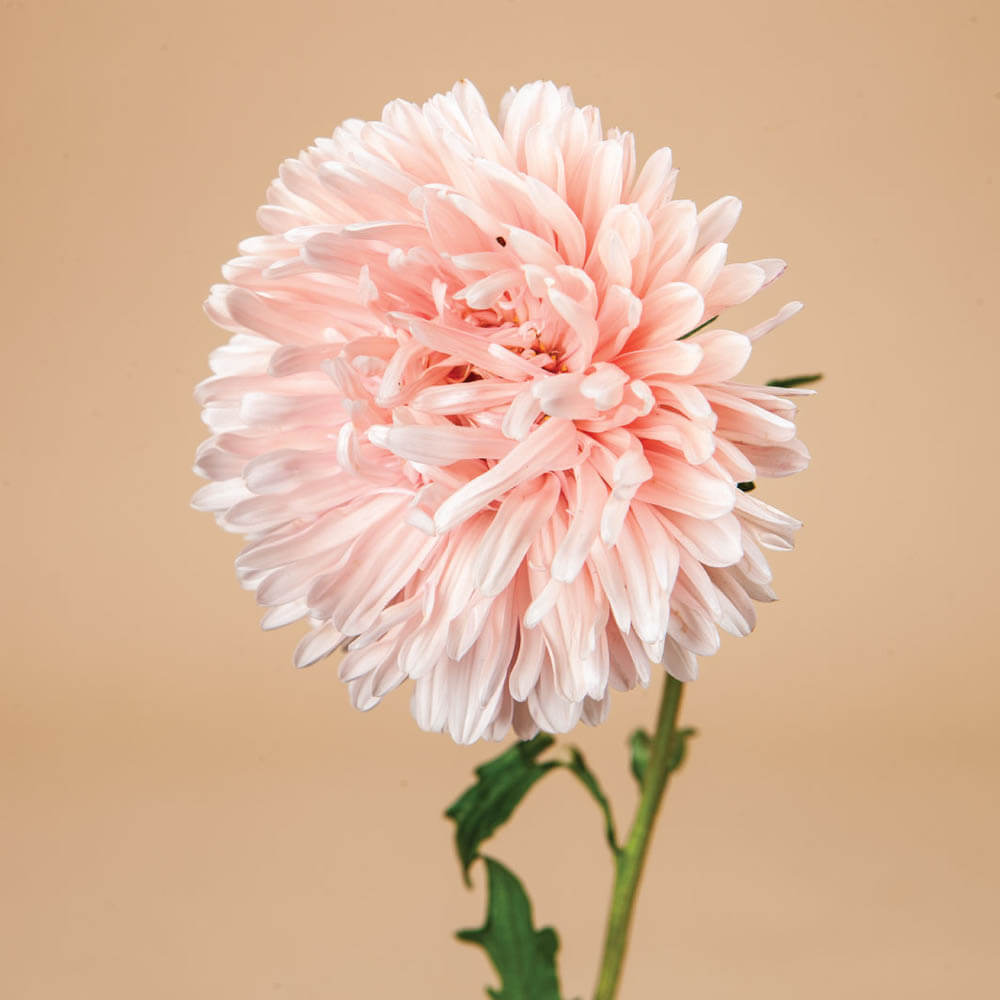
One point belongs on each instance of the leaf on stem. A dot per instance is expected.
(501, 784)
(524, 958)
(678, 750)
(578, 766)
(794, 381)
(639, 743)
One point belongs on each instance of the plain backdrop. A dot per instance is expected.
(184, 815)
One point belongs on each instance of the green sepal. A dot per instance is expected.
(501, 784)
(793, 381)
(525, 959)
(747, 487)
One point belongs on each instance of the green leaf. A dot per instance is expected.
(679, 749)
(579, 767)
(794, 381)
(524, 958)
(501, 784)
(748, 487)
(639, 743)
(698, 329)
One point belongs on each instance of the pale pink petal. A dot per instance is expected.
(440, 444)
(511, 533)
(733, 285)
(785, 313)
(716, 221)
(585, 522)
(474, 424)
(317, 644)
(551, 447)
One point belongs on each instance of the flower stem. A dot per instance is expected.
(663, 758)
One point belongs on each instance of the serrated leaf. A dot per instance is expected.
(501, 784)
(579, 767)
(525, 959)
(794, 381)
(639, 743)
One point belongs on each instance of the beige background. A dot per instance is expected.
(184, 815)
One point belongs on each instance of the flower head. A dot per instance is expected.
(474, 419)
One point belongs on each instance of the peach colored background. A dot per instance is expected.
(184, 815)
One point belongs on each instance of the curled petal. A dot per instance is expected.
(478, 415)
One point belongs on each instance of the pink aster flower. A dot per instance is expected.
(473, 420)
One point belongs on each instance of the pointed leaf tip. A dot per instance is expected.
(698, 329)
(578, 766)
(794, 381)
(525, 959)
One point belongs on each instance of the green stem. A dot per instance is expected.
(628, 869)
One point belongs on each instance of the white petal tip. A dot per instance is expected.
(378, 434)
